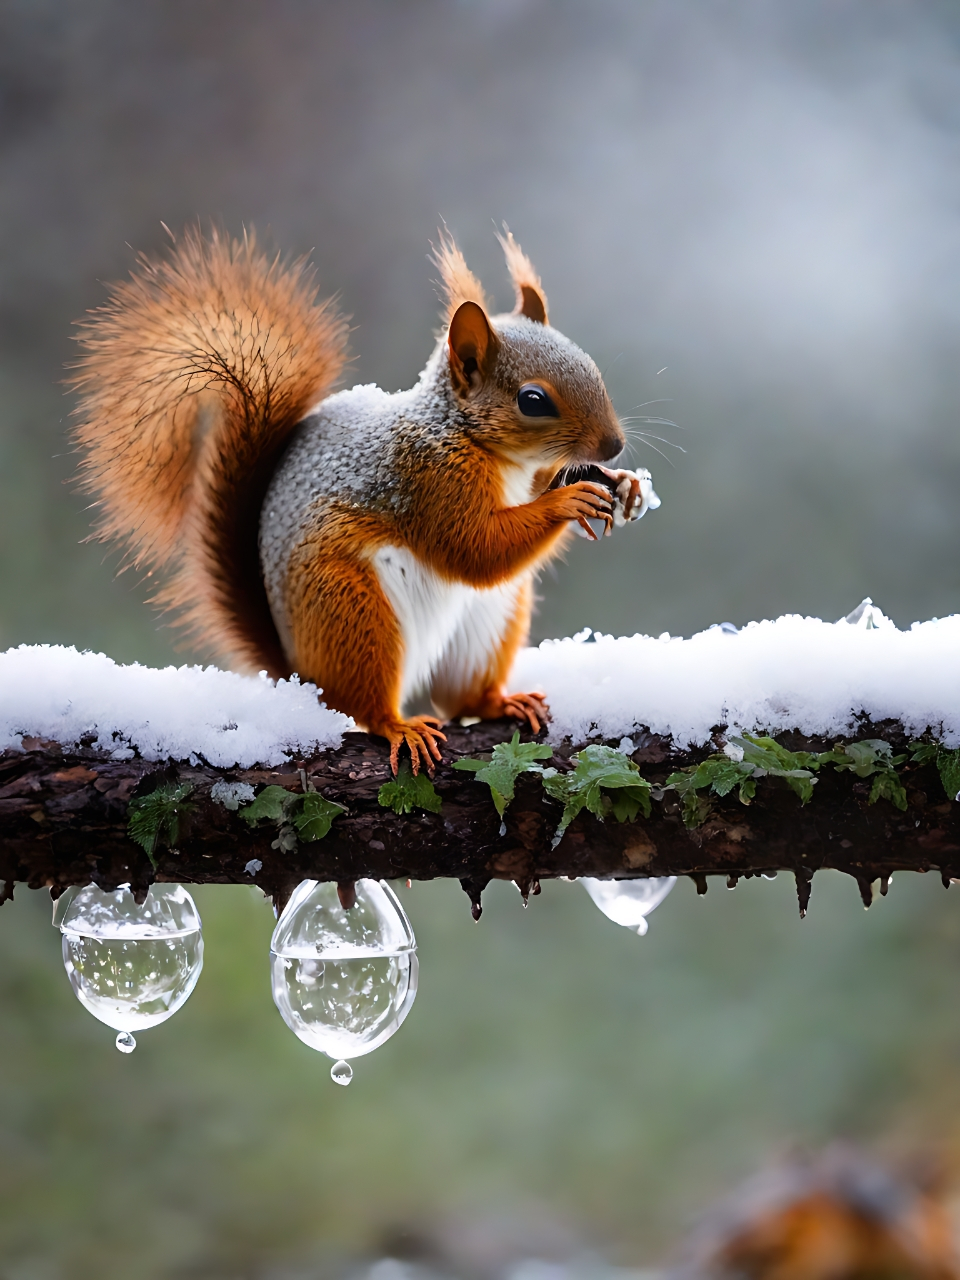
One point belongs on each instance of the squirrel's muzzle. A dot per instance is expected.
(610, 444)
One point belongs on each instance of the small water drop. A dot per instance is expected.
(503, 828)
(341, 1072)
(125, 1042)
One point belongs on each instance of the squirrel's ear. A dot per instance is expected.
(531, 299)
(472, 345)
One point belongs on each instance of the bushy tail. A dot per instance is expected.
(192, 378)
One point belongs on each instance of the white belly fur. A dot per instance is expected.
(443, 624)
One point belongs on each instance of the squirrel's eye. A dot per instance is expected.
(533, 402)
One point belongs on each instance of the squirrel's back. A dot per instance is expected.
(192, 378)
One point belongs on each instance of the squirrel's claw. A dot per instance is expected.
(531, 707)
(420, 734)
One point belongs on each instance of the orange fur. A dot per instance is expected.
(192, 378)
(464, 533)
(346, 634)
(459, 283)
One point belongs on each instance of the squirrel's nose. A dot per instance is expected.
(610, 444)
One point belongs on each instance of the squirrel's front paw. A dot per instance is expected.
(632, 494)
(583, 501)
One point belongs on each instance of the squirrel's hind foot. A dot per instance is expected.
(531, 707)
(421, 734)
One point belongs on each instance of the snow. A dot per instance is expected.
(49, 691)
(792, 673)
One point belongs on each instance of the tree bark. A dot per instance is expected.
(63, 821)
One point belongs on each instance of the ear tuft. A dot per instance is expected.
(459, 283)
(531, 299)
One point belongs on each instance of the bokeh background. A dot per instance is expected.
(747, 212)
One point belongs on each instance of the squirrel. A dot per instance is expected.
(375, 544)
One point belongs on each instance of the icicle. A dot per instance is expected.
(347, 893)
(473, 890)
(804, 879)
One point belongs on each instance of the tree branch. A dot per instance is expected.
(64, 818)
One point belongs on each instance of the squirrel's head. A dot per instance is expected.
(524, 389)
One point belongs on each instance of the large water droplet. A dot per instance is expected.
(341, 1072)
(343, 979)
(629, 902)
(131, 966)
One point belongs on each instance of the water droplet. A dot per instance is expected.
(341, 1073)
(503, 828)
(131, 966)
(629, 902)
(343, 979)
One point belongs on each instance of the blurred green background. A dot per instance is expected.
(747, 212)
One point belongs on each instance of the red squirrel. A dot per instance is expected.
(375, 544)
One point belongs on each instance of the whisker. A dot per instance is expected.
(657, 421)
(668, 461)
(648, 436)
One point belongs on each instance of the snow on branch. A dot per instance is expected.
(716, 755)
